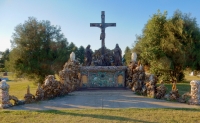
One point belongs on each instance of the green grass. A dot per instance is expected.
(189, 78)
(102, 116)
(182, 87)
(18, 86)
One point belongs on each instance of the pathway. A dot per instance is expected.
(101, 99)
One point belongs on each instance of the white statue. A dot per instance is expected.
(133, 57)
(72, 56)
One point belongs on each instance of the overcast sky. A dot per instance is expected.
(74, 18)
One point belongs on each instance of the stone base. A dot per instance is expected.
(102, 76)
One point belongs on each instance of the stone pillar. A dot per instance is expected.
(195, 92)
(4, 95)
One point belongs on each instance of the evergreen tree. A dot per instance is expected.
(80, 54)
(127, 55)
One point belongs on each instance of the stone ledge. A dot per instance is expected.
(103, 68)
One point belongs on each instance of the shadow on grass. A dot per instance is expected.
(97, 116)
(173, 109)
(185, 109)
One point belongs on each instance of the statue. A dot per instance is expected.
(72, 56)
(88, 55)
(117, 56)
(134, 57)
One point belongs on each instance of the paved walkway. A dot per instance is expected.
(101, 99)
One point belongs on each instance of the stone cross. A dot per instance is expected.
(102, 26)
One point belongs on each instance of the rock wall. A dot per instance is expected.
(142, 83)
(70, 75)
(50, 89)
(69, 81)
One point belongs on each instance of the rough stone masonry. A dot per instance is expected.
(195, 92)
(4, 95)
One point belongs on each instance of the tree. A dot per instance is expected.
(9, 64)
(148, 45)
(4, 56)
(80, 54)
(60, 55)
(72, 48)
(38, 49)
(191, 32)
(165, 44)
(127, 55)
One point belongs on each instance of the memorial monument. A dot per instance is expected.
(103, 68)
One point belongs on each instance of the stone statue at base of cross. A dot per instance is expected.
(88, 56)
(117, 56)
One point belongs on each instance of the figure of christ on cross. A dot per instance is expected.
(102, 26)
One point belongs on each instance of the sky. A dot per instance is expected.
(74, 18)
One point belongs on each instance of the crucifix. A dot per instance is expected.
(102, 26)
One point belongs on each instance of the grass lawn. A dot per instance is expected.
(189, 78)
(18, 87)
(183, 86)
(102, 115)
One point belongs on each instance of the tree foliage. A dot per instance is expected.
(127, 55)
(168, 45)
(4, 56)
(80, 54)
(38, 49)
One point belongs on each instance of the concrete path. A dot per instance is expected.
(101, 99)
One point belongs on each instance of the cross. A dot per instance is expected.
(102, 26)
